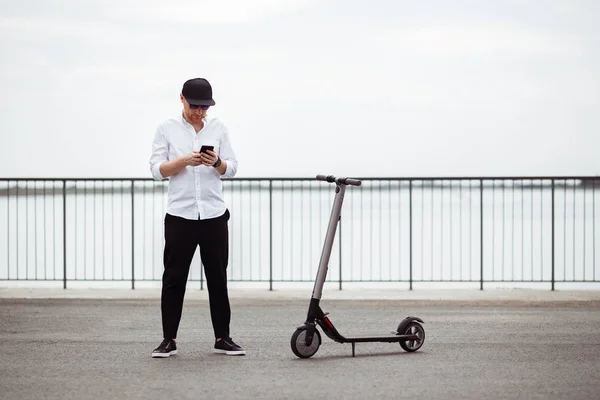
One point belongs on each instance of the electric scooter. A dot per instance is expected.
(306, 340)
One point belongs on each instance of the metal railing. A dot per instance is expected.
(461, 229)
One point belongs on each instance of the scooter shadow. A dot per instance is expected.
(317, 358)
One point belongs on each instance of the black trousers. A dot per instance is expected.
(182, 236)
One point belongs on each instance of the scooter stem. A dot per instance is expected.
(340, 190)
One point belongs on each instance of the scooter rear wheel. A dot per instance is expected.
(299, 346)
(414, 328)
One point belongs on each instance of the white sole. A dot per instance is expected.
(230, 353)
(164, 355)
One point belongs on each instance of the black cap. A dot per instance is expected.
(198, 92)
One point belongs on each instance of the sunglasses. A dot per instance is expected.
(195, 107)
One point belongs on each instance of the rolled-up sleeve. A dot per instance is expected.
(226, 153)
(160, 153)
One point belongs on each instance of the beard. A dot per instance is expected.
(196, 116)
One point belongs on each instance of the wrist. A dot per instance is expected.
(217, 163)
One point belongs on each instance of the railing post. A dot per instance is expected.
(132, 236)
(481, 234)
(410, 235)
(340, 249)
(553, 233)
(270, 234)
(8, 228)
(201, 274)
(65, 235)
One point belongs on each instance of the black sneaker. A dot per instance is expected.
(228, 347)
(166, 349)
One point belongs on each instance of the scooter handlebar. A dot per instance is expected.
(341, 181)
(326, 178)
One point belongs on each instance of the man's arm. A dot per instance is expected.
(229, 163)
(210, 158)
(223, 167)
(170, 168)
(160, 165)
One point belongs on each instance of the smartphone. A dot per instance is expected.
(206, 147)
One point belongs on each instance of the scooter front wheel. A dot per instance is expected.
(299, 346)
(414, 328)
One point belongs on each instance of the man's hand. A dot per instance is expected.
(209, 158)
(193, 159)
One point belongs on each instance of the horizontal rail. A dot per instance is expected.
(371, 178)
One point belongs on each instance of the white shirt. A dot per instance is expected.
(195, 192)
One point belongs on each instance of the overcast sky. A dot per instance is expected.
(359, 88)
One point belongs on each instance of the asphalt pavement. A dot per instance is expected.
(523, 346)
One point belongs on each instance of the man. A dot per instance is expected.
(196, 212)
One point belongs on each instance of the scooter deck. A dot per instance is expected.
(378, 338)
(375, 338)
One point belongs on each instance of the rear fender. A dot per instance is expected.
(405, 322)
